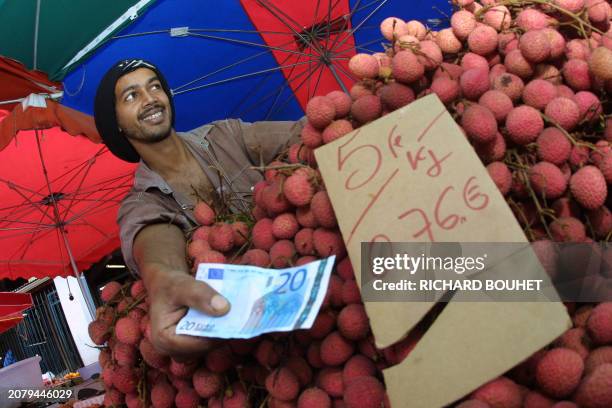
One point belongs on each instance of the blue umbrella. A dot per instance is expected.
(251, 59)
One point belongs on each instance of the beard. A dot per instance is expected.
(149, 134)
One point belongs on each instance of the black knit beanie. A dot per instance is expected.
(104, 107)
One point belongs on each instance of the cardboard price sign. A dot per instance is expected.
(412, 176)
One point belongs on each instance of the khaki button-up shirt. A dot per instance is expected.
(230, 146)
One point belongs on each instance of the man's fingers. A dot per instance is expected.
(200, 296)
(182, 346)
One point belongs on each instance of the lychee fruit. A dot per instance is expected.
(547, 180)
(533, 19)
(599, 324)
(474, 83)
(589, 105)
(311, 136)
(538, 93)
(127, 330)
(498, 103)
(395, 95)
(500, 392)
(501, 176)
(163, 395)
(282, 253)
(98, 332)
(187, 398)
(342, 102)
(285, 226)
(262, 235)
(335, 349)
(595, 391)
(564, 112)
(203, 213)
(364, 392)
(448, 41)
(553, 146)
(365, 109)
(510, 84)
(282, 384)
(463, 23)
(518, 65)
(314, 398)
(363, 66)
(479, 123)
(535, 46)
(337, 129)
(524, 124)
(303, 241)
(328, 242)
(322, 210)
(558, 373)
(577, 75)
(320, 111)
(109, 291)
(568, 229)
(393, 28)
(406, 67)
(589, 188)
(330, 380)
(298, 189)
(498, 17)
(471, 60)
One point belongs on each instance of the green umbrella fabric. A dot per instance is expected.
(48, 35)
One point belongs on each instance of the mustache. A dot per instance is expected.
(151, 109)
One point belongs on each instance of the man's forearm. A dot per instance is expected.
(159, 252)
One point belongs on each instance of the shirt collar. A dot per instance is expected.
(146, 178)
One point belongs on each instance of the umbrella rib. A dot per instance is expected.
(268, 96)
(366, 18)
(352, 47)
(80, 185)
(342, 70)
(214, 30)
(329, 21)
(320, 66)
(345, 26)
(250, 43)
(251, 74)
(222, 69)
(92, 207)
(318, 80)
(268, 6)
(256, 88)
(32, 203)
(33, 237)
(79, 168)
(282, 88)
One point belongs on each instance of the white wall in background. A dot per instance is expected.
(77, 316)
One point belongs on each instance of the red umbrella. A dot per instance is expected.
(11, 307)
(59, 196)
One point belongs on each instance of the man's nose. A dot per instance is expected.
(148, 97)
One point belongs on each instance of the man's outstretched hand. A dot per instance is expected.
(170, 299)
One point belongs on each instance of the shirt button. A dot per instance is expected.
(184, 206)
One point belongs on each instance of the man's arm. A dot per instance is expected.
(159, 252)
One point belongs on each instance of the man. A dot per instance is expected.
(134, 114)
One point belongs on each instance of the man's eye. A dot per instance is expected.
(130, 97)
(155, 86)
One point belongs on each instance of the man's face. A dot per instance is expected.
(142, 107)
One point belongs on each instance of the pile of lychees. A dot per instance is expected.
(529, 83)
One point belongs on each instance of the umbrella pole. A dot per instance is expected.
(91, 307)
